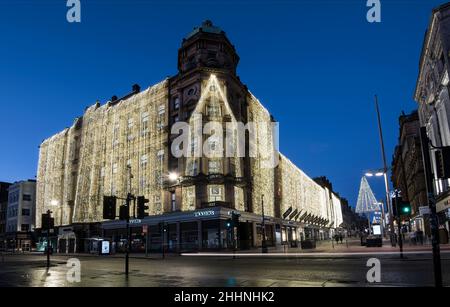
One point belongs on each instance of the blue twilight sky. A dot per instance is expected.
(314, 64)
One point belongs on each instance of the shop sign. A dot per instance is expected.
(425, 210)
(204, 213)
(443, 205)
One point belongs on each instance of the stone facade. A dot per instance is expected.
(432, 95)
(126, 145)
(407, 167)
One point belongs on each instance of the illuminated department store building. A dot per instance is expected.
(193, 195)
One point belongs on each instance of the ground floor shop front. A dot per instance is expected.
(208, 229)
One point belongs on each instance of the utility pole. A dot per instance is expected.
(383, 153)
(432, 205)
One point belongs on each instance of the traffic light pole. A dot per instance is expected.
(432, 205)
(128, 249)
(48, 239)
(399, 226)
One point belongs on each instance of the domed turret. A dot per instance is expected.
(207, 46)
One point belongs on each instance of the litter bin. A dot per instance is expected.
(308, 244)
(363, 240)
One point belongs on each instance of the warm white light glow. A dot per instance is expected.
(54, 202)
(173, 176)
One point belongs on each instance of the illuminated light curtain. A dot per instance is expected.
(366, 199)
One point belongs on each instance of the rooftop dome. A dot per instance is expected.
(207, 27)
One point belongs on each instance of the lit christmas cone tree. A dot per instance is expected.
(367, 202)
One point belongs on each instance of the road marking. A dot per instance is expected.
(307, 254)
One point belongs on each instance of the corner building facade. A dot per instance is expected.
(126, 145)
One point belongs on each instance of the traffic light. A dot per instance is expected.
(163, 227)
(109, 207)
(235, 218)
(48, 222)
(442, 156)
(404, 208)
(124, 212)
(229, 223)
(141, 207)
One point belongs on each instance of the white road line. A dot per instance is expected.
(306, 254)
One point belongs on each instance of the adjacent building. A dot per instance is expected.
(346, 220)
(146, 143)
(407, 170)
(432, 96)
(20, 220)
(3, 212)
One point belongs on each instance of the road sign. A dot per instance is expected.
(135, 221)
(425, 210)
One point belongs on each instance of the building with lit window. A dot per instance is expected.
(407, 171)
(3, 211)
(20, 217)
(132, 145)
(432, 96)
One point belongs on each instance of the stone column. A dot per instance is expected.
(255, 234)
(199, 231)
(178, 230)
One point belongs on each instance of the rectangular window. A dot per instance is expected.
(161, 156)
(26, 197)
(143, 182)
(176, 103)
(214, 167)
(161, 110)
(26, 212)
(102, 171)
(25, 227)
(144, 160)
(158, 206)
(114, 168)
(173, 201)
(213, 111)
(115, 135)
(215, 193)
(144, 128)
(158, 178)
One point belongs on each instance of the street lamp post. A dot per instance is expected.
(383, 153)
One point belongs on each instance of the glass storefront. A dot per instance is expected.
(189, 236)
